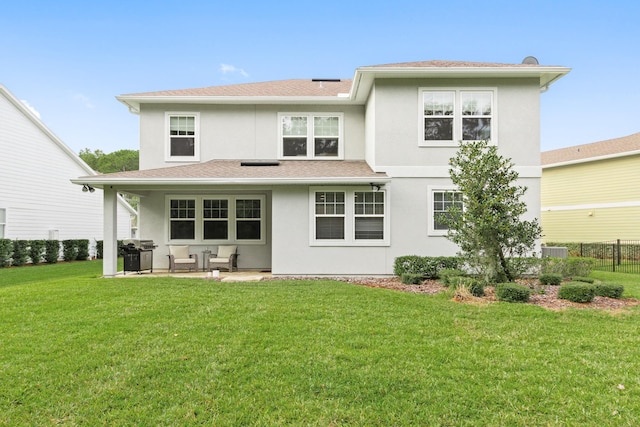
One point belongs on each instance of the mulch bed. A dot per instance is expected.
(544, 296)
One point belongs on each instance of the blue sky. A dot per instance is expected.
(69, 59)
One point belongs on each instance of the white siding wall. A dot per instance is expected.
(35, 185)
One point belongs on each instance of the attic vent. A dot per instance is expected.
(259, 163)
(530, 60)
(326, 80)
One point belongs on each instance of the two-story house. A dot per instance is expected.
(324, 176)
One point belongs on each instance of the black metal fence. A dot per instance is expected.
(618, 255)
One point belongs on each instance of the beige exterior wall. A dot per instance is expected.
(592, 201)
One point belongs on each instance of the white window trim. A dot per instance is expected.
(350, 218)
(167, 135)
(430, 213)
(457, 115)
(310, 143)
(199, 219)
(3, 222)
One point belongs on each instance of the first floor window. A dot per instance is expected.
(369, 215)
(3, 221)
(330, 215)
(217, 219)
(442, 200)
(215, 214)
(182, 219)
(349, 217)
(248, 219)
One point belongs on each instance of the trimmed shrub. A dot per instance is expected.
(411, 279)
(476, 287)
(577, 292)
(51, 251)
(69, 250)
(447, 274)
(20, 252)
(36, 248)
(6, 250)
(609, 290)
(83, 249)
(568, 267)
(583, 279)
(521, 267)
(550, 279)
(512, 292)
(99, 249)
(427, 266)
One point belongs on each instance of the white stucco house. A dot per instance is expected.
(37, 199)
(323, 176)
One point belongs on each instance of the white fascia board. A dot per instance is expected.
(101, 182)
(364, 76)
(134, 102)
(591, 159)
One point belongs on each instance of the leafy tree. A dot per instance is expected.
(489, 229)
(118, 161)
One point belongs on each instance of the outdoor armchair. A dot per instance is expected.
(180, 258)
(226, 257)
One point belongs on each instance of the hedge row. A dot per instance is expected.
(427, 267)
(431, 267)
(19, 252)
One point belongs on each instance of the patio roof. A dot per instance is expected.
(255, 172)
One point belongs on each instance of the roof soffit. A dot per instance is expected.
(358, 88)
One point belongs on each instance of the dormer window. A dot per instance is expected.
(183, 139)
(311, 136)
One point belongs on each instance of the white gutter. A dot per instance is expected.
(120, 182)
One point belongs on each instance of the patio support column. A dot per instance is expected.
(110, 242)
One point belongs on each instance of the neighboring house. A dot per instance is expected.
(591, 192)
(37, 198)
(324, 176)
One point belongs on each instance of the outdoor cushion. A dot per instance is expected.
(226, 251)
(179, 252)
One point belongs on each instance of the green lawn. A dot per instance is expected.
(80, 350)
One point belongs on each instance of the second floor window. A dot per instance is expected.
(311, 136)
(450, 116)
(183, 138)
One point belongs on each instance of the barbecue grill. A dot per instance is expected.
(138, 255)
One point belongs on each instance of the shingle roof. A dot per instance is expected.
(446, 64)
(312, 87)
(233, 169)
(585, 152)
(295, 87)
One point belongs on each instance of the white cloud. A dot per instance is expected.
(84, 100)
(31, 108)
(226, 69)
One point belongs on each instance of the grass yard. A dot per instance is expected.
(81, 350)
